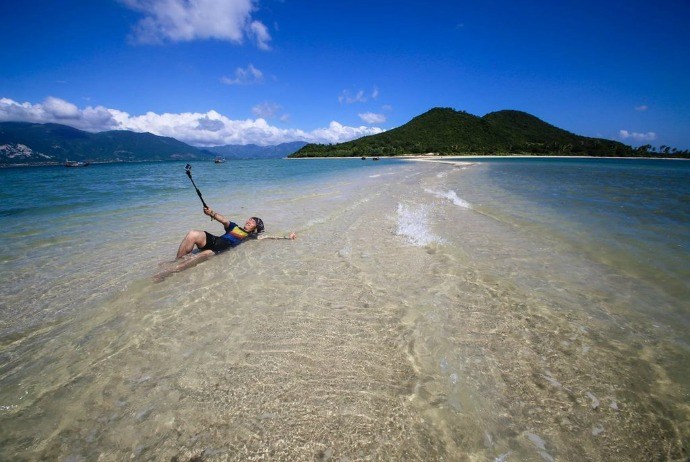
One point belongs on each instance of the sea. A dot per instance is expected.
(449, 309)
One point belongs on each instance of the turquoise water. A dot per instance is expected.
(60, 220)
(490, 309)
(631, 214)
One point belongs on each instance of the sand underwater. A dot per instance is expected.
(407, 322)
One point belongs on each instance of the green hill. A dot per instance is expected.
(32, 144)
(446, 131)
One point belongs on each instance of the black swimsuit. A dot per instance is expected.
(234, 235)
(215, 243)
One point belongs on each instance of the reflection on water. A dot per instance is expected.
(364, 339)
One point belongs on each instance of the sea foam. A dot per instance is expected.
(413, 224)
(451, 196)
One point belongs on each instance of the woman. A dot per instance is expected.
(209, 244)
(234, 235)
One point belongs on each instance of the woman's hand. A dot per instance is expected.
(209, 212)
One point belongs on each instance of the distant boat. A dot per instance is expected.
(219, 160)
(76, 163)
(375, 158)
(364, 158)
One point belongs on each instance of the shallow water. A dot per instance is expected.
(425, 312)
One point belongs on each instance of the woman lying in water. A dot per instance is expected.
(209, 244)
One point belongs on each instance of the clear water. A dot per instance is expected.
(519, 309)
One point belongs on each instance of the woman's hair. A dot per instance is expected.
(259, 225)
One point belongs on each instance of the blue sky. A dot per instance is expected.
(212, 72)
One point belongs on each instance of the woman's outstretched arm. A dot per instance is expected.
(289, 236)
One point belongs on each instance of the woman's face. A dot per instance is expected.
(250, 225)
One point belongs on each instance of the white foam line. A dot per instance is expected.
(451, 196)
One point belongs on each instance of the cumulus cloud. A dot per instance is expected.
(200, 129)
(248, 76)
(184, 20)
(57, 110)
(60, 109)
(338, 133)
(211, 125)
(371, 118)
(638, 137)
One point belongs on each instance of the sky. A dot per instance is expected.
(215, 72)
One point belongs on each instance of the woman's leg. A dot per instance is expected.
(183, 263)
(194, 260)
(192, 238)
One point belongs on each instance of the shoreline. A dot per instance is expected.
(437, 157)
(412, 157)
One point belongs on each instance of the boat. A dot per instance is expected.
(76, 163)
(219, 160)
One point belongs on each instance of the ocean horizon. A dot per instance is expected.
(470, 308)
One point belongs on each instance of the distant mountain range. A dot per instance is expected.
(29, 143)
(253, 151)
(446, 131)
(23, 143)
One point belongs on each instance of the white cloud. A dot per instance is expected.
(266, 110)
(211, 125)
(60, 109)
(200, 129)
(248, 76)
(641, 108)
(347, 98)
(184, 20)
(57, 110)
(639, 137)
(260, 34)
(360, 97)
(338, 133)
(371, 118)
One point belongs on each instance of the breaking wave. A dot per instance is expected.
(413, 224)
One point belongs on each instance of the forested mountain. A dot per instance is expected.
(32, 144)
(29, 143)
(446, 131)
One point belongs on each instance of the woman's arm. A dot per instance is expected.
(218, 217)
(289, 236)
